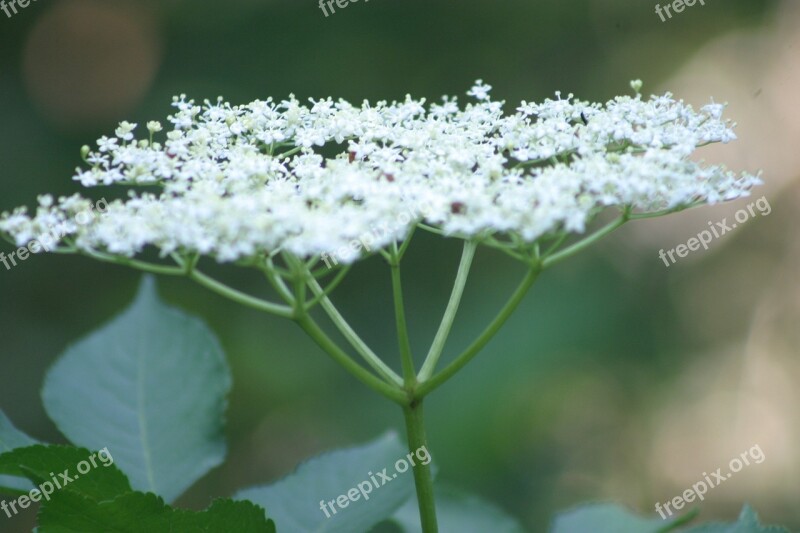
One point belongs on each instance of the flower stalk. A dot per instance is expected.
(423, 476)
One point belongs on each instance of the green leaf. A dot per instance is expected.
(459, 511)
(137, 512)
(151, 387)
(609, 518)
(14, 486)
(294, 502)
(747, 523)
(11, 438)
(60, 468)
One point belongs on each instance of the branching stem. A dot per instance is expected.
(437, 347)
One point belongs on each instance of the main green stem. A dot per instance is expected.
(415, 424)
(423, 477)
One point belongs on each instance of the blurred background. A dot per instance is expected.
(618, 379)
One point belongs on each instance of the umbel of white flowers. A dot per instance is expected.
(238, 182)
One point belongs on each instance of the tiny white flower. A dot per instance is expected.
(125, 131)
(154, 126)
(480, 91)
(106, 144)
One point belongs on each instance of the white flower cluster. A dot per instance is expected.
(233, 182)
